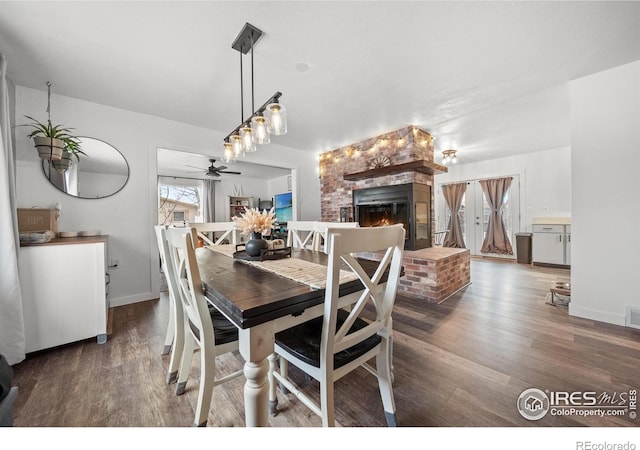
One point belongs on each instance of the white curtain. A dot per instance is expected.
(11, 322)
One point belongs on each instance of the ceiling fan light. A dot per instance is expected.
(276, 117)
(229, 155)
(247, 138)
(454, 159)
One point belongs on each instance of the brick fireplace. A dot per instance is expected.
(401, 157)
(354, 181)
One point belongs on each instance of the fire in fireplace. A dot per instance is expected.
(409, 204)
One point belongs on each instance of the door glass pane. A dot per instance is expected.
(506, 215)
(461, 218)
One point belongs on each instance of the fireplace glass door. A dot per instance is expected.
(408, 204)
(422, 221)
(384, 214)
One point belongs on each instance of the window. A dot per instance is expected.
(179, 200)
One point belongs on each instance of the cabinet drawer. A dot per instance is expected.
(548, 228)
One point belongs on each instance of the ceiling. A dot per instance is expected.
(486, 78)
(174, 163)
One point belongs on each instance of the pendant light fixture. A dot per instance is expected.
(269, 119)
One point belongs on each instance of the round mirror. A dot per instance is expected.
(101, 172)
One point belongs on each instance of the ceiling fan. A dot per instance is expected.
(214, 171)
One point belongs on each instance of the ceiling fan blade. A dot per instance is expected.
(221, 168)
(228, 171)
(212, 173)
(194, 167)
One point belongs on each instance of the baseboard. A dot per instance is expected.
(556, 266)
(600, 316)
(121, 301)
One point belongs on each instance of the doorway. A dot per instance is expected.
(474, 216)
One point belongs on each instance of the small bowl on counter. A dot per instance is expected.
(67, 234)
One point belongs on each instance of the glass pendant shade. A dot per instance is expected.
(276, 117)
(228, 154)
(259, 130)
(236, 144)
(247, 139)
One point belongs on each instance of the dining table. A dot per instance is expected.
(262, 302)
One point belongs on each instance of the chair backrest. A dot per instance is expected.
(300, 233)
(439, 234)
(229, 229)
(182, 264)
(159, 237)
(342, 243)
(320, 232)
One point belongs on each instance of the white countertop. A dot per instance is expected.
(552, 220)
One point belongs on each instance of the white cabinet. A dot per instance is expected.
(549, 244)
(64, 292)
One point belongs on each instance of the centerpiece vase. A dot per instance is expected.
(255, 244)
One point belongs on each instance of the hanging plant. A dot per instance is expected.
(52, 140)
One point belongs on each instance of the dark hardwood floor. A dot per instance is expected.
(460, 363)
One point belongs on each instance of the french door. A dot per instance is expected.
(474, 216)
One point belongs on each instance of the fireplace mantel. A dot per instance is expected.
(422, 166)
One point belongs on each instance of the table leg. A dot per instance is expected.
(256, 344)
(273, 397)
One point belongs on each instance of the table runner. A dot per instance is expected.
(309, 273)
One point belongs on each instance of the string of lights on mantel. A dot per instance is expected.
(376, 151)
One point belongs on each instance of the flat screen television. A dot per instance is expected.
(284, 207)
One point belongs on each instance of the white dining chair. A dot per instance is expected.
(229, 232)
(204, 326)
(300, 233)
(331, 346)
(320, 232)
(174, 340)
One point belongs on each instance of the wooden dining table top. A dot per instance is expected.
(250, 296)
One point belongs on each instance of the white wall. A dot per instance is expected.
(605, 131)
(251, 187)
(128, 216)
(280, 185)
(545, 182)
